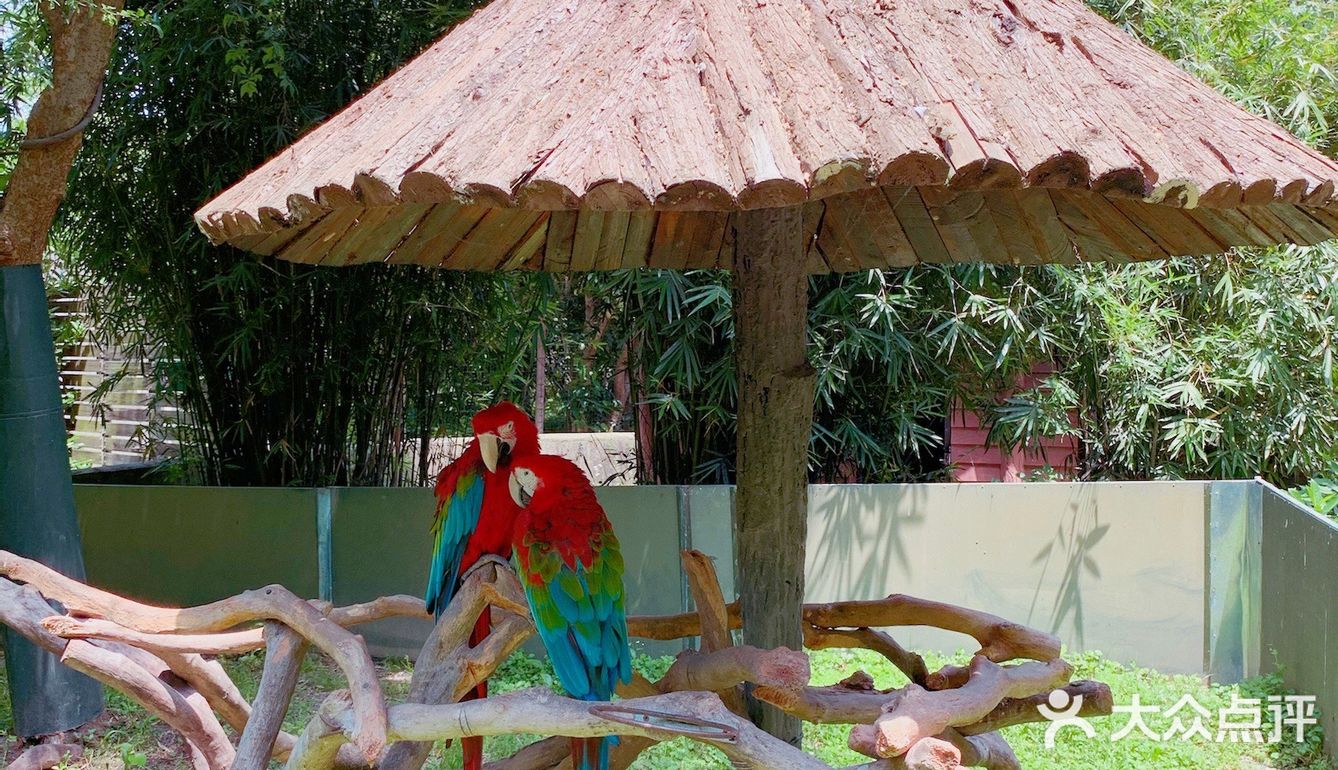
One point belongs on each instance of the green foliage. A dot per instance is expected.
(1321, 492)
(286, 374)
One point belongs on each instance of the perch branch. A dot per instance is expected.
(704, 585)
(697, 715)
(779, 668)
(447, 667)
(45, 756)
(269, 603)
(1000, 640)
(123, 668)
(909, 663)
(921, 713)
(284, 651)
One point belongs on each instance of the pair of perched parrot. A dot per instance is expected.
(503, 497)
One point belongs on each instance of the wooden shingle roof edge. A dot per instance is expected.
(661, 118)
(1065, 171)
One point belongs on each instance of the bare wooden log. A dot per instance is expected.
(988, 750)
(1097, 701)
(950, 749)
(697, 715)
(23, 609)
(228, 642)
(909, 663)
(447, 667)
(539, 755)
(837, 704)
(284, 652)
(1000, 640)
(269, 603)
(213, 683)
(704, 586)
(666, 628)
(779, 668)
(45, 756)
(159, 698)
(921, 713)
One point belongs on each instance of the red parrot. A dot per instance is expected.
(475, 517)
(572, 569)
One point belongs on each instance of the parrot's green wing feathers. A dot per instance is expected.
(579, 614)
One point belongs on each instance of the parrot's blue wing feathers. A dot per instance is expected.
(458, 512)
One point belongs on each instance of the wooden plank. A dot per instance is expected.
(527, 254)
(609, 255)
(1090, 240)
(1014, 228)
(438, 235)
(1222, 228)
(589, 231)
(640, 237)
(1307, 231)
(1049, 236)
(814, 211)
(1124, 234)
(374, 240)
(845, 242)
(492, 239)
(957, 215)
(1177, 234)
(558, 245)
(673, 240)
(917, 225)
(321, 237)
(709, 239)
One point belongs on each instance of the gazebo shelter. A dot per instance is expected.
(776, 140)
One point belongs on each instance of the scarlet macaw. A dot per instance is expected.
(475, 517)
(572, 569)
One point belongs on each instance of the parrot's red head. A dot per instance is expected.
(541, 481)
(503, 432)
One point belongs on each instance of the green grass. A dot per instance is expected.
(126, 737)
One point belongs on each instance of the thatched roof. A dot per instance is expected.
(590, 134)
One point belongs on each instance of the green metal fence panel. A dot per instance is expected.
(1299, 616)
(1235, 543)
(1116, 567)
(191, 545)
(379, 544)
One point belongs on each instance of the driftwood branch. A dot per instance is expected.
(909, 663)
(921, 713)
(284, 652)
(696, 715)
(945, 719)
(269, 603)
(45, 756)
(448, 668)
(1000, 640)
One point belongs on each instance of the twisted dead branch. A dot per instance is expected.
(944, 719)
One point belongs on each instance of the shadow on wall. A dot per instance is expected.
(1115, 567)
(1071, 553)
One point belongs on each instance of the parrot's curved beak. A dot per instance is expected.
(490, 446)
(519, 494)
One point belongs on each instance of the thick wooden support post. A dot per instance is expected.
(776, 385)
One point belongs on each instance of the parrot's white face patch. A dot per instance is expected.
(523, 483)
(508, 432)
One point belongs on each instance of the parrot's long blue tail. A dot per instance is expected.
(591, 753)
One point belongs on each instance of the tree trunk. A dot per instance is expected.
(776, 385)
(37, 505)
